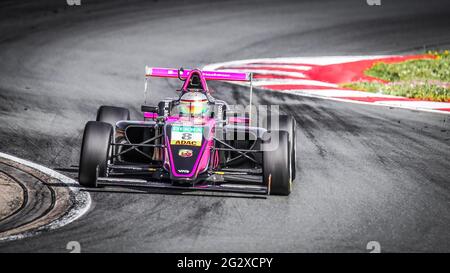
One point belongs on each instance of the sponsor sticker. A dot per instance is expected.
(186, 135)
(185, 153)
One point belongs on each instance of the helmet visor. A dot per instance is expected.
(194, 108)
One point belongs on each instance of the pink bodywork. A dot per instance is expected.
(239, 120)
(202, 79)
(149, 115)
(204, 155)
(202, 160)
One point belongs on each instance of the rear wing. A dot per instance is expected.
(207, 75)
(184, 74)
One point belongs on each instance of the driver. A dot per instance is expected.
(193, 104)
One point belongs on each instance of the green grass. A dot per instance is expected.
(427, 79)
(424, 91)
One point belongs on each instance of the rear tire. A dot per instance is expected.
(276, 166)
(112, 114)
(95, 149)
(288, 124)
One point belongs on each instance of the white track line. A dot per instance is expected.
(343, 93)
(416, 104)
(294, 82)
(268, 65)
(409, 107)
(82, 201)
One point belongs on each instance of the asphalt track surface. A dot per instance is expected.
(365, 173)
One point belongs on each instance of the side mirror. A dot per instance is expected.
(150, 109)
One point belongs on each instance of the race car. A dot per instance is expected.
(191, 142)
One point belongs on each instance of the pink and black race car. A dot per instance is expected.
(193, 142)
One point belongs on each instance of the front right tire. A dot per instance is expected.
(95, 150)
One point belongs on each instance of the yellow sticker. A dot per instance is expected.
(186, 142)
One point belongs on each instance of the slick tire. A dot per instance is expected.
(288, 124)
(276, 165)
(112, 114)
(95, 151)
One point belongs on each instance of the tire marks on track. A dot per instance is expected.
(40, 199)
(9, 196)
(48, 200)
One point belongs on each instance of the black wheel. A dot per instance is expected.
(112, 114)
(276, 164)
(288, 124)
(94, 152)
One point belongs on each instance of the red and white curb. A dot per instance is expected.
(320, 77)
(82, 200)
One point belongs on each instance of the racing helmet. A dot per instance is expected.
(193, 104)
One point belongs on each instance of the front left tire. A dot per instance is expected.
(277, 175)
(288, 124)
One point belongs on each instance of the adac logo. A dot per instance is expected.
(185, 153)
(186, 142)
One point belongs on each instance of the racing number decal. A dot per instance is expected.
(186, 135)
